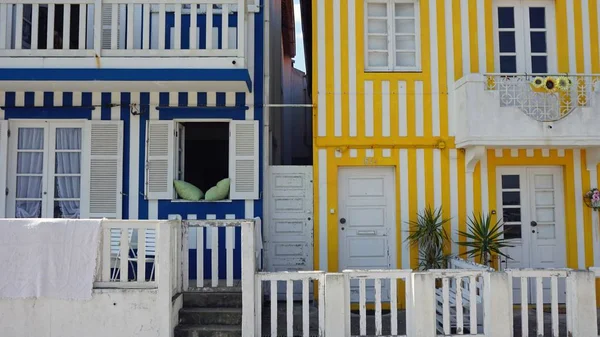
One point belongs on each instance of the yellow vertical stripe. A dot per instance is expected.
(570, 217)
(344, 66)
(562, 36)
(473, 38)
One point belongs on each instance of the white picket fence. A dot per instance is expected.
(495, 307)
(122, 28)
(200, 233)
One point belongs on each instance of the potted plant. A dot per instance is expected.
(483, 238)
(428, 233)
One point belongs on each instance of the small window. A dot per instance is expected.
(392, 35)
(203, 153)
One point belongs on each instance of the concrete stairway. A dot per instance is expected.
(213, 313)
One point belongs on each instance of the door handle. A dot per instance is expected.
(342, 221)
(533, 224)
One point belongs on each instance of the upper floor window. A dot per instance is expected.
(524, 36)
(392, 35)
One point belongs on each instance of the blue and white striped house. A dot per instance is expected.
(103, 103)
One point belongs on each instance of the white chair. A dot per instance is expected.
(115, 249)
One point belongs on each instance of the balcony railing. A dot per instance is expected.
(122, 28)
(545, 98)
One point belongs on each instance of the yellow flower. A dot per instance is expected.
(538, 82)
(563, 83)
(550, 84)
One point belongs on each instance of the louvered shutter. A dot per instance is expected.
(243, 160)
(105, 169)
(160, 160)
(3, 166)
(107, 25)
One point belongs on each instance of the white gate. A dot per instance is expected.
(288, 231)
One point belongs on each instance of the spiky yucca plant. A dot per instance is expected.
(428, 233)
(484, 239)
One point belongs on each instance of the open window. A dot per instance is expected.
(202, 153)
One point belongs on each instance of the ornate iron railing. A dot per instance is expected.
(545, 98)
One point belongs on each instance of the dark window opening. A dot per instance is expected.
(42, 31)
(206, 153)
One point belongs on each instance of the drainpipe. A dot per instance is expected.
(266, 115)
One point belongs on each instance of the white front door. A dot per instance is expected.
(366, 222)
(531, 202)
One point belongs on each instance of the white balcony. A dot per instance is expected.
(122, 34)
(508, 110)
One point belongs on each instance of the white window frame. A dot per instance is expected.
(391, 26)
(522, 33)
(48, 167)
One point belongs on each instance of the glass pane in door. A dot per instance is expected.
(67, 173)
(29, 174)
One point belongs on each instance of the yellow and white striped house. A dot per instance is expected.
(434, 102)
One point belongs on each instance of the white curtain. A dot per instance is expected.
(31, 164)
(68, 187)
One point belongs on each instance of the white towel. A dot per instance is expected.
(53, 258)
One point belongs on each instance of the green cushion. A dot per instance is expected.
(187, 191)
(218, 192)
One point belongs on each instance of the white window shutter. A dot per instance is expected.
(160, 160)
(107, 25)
(3, 166)
(243, 160)
(103, 195)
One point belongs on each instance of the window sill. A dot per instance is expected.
(413, 71)
(200, 201)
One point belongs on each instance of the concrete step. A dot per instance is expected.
(212, 300)
(210, 316)
(185, 330)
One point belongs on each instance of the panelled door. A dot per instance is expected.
(531, 202)
(289, 228)
(366, 222)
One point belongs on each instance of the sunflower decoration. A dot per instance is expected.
(538, 82)
(537, 85)
(550, 84)
(563, 83)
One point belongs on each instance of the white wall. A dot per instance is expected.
(110, 312)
